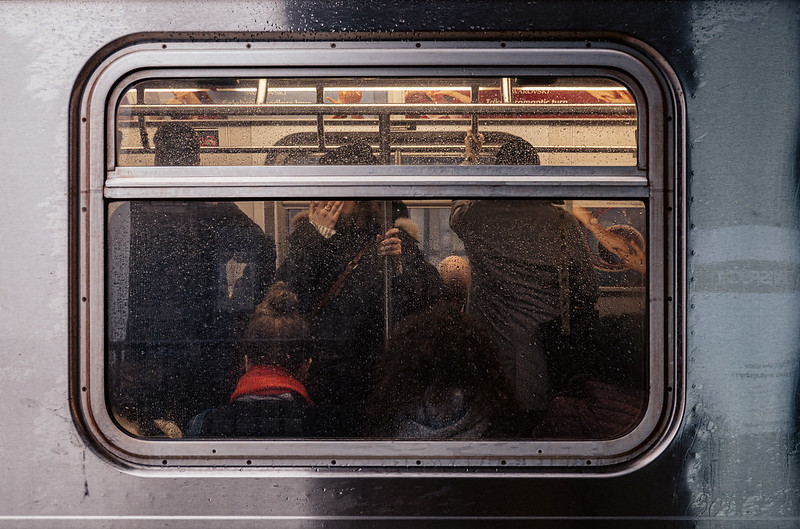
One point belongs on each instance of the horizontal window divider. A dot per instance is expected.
(420, 123)
(404, 149)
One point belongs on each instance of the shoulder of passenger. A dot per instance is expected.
(408, 226)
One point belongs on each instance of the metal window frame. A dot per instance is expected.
(657, 181)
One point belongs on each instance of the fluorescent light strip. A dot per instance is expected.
(572, 88)
(178, 89)
(392, 89)
(399, 88)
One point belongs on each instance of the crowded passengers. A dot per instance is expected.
(401, 350)
(359, 336)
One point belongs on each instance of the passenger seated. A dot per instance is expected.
(355, 153)
(270, 399)
(440, 380)
(176, 144)
(136, 417)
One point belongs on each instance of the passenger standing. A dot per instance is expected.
(184, 276)
(530, 269)
(335, 264)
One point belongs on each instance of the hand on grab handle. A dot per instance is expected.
(389, 244)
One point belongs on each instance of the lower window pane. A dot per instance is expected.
(402, 319)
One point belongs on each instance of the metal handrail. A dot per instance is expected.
(378, 109)
(405, 148)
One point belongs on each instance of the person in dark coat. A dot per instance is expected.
(341, 260)
(340, 280)
(440, 379)
(184, 277)
(530, 271)
(270, 399)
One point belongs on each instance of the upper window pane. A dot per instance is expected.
(567, 121)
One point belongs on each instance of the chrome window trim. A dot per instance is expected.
(251, 181)
(660, 168)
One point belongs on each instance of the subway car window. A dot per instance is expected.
(466, 264)
(569, 121)
(437, 319)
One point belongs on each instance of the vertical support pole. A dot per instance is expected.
(262, 91)
(475, 100)
(383, 130)
(388, 271)
(506, 90)
(321, 120)
(142, 125)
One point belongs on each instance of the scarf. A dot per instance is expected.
(268, 381)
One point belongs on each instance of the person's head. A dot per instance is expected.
(455, 272)
(439, 349)
(176, 144)
(277, 333)
(356, 153)
(360, 214)
(356, 212)
(517, 152)
(399, 210)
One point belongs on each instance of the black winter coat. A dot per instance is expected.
(348, 330)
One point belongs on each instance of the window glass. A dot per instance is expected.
(397, 319)
(420, 121)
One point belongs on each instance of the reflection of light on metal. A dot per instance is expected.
(261, 95)
(180, 89)
(572, 88)
(401, 88)
(506, 90)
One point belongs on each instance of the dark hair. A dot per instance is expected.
(356, 153)
(399, 210)
(440, 348)
(277, 332)
(176, 144)
(516, 152)
(366, 216)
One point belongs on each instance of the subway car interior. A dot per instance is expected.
(180, 295)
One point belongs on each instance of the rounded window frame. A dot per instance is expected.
(657, 180)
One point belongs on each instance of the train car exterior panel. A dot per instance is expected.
(734, 459)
